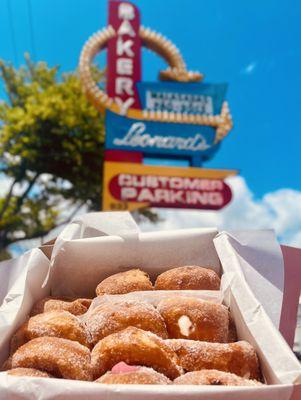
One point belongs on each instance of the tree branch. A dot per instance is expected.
(41, 232)
(8, 197)
(25, 193)
(6, 80)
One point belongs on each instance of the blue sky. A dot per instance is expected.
(252, 45)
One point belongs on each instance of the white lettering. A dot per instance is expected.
(152, 181)
(176, 183)
(216, 198)
(137, 137)
(162, 195)
(124, 66)
(145, 195)
(124, 85)
(207, 198)
(124, 63)
(163, 180)
(124, 47)
(157, 189)
(168, 196)
(209, 106)
(191, 184)
(126, 11)
(177, 197)
(124, 105)
(128, 193)
(124, 179)
(126, 28)
(179, 102)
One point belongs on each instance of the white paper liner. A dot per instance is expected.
(96, 258)
(255, 256)
(25, 280)
(49, 389)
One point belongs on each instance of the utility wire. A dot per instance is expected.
(30, 20)
(12, 30)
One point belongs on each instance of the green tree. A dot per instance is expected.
(51, 151)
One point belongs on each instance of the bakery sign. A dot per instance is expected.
(132, 186)
(193, 141)
(179, 115)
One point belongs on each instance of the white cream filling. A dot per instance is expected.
(185, 325)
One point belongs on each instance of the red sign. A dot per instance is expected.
(124, 55)
(170, 191)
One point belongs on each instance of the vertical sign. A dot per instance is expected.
(124, 55)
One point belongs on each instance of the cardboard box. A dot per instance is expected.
(100, 244)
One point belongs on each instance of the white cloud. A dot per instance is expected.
(249, 69)
(279, 210)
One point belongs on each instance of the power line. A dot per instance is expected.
(32, 41)
(12, 30)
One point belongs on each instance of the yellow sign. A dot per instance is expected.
(130, 186)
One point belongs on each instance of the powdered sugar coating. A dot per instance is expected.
(53, 323)
(125, 282)
(209, 322)
(141, 376)
(29, 372)
(135, 347)
(214, 377)
(239, 358)
(188, 278)
(62, 358)
(115, 316)
(73, 305)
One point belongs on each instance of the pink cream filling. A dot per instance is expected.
(122, 368)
